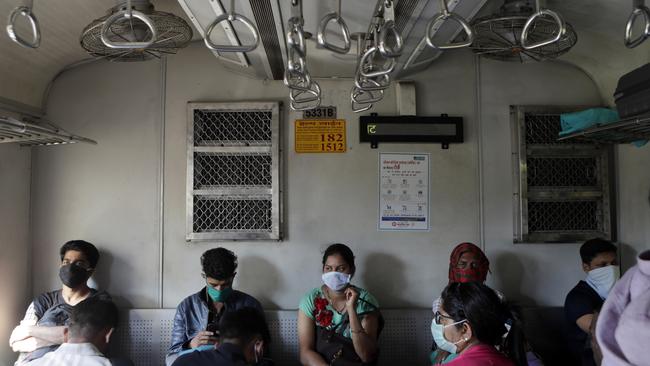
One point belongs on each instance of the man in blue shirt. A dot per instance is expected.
(243, 334)
(196, 324)
(587, 297)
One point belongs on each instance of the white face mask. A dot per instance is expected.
(603, 279)
(336, 281)
(438, 333)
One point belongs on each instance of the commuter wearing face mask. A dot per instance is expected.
(43, 327)
(587, 297)
(196, 324)
(338, 323)
(243, 335)
(467, 263)
(471, 321)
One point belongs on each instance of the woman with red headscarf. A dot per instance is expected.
(467, 263)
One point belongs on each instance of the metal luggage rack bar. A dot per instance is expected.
(29, 134)
(622, 132)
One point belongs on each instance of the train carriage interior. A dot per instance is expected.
(165, 131)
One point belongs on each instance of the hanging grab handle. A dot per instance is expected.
(561, 28)
(128, 14)
(384, 49)
(26, 11)
(300, 102)
(380, 83)
(389, 26)
(443, 16)
(639, 10)
(366, 58)
(232, 17)
(345, 32)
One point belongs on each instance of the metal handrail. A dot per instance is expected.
(304, 93)
(356, 93)
(299, 102)
(232, 17)
(27, 12)
(445, 15)
(345, 32)
(531, 20)
(639, 9)
(366, 58)
(128, 14)
(389, 26)
(378, 83)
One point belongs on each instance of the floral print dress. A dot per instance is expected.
(315, 305)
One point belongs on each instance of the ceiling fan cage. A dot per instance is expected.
(498, 37)
(173, 33)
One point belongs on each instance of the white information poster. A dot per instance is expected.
(403, 191)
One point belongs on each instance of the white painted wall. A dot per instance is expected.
(634, 201)
(329, 198)
(541, 273)
(108, 193)
(15, 170)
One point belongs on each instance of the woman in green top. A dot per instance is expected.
(338, 323)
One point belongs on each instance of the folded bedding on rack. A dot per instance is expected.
(582, 120)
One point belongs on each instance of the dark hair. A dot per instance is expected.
(592, 247)
(219, 263)
(91, 316)
(487, 315)
(344, 251)
(244, 324)
(89, 251)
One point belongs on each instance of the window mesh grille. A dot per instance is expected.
(232, 170)
(544, 129)
(562, 172)
(564, 216)
(233, 180)
(564, 187)
(232, 214)
(223, 128)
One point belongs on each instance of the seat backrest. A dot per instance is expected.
(144, 335)
(546, 331)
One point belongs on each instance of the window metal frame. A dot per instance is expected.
(274, 191)
(605, 194)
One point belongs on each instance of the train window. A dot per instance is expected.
(563, 189)
(233, 171)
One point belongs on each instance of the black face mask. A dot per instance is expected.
(73, 276)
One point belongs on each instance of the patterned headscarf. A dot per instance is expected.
(478, 274)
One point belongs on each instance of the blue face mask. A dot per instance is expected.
(219, 295)
(438, 333)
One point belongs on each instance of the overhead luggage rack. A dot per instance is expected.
(622, 132)
(29, 134)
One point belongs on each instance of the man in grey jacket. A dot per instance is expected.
(196, 324)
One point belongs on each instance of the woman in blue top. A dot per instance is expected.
(338, 323)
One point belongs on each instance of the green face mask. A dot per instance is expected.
(219, 295)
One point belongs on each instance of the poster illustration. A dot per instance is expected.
(403, 191)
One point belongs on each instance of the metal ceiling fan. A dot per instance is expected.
(522, 32)
(134, 31)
